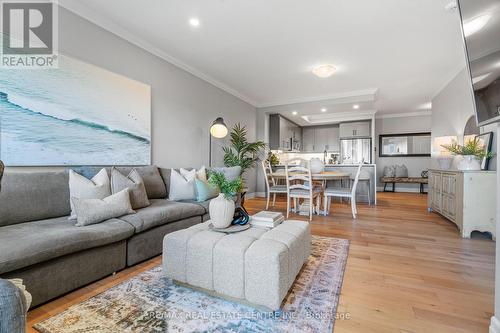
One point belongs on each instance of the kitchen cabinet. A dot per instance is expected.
(284, 134)
(360, 129)
(308, 139)
(466, 198)
(319, 138)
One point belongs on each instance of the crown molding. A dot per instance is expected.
(338, 117)
(81, 10)
(404, 114)
(357, 93)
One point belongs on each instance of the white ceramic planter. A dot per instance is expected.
(469, 162)
(221, 211)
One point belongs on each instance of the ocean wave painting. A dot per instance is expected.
(77, 114)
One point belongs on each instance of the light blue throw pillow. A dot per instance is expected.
(205, 191)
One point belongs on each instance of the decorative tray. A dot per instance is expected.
(231, 229)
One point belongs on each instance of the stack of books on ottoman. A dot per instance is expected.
(267, 219)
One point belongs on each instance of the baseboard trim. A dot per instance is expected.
(494, 325)
(259, 194)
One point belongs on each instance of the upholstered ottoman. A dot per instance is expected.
(257, 265)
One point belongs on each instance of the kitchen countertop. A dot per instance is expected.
(335, 165)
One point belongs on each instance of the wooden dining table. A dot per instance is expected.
(321, 176)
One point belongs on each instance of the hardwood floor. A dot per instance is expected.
(407, 271)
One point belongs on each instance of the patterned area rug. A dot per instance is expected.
(150, 302)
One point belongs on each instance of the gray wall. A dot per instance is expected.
(183, 106)
(415, 165)
(452, 107)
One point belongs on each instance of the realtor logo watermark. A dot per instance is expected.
(29, 34)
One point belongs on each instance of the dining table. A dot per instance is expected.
(322, 176)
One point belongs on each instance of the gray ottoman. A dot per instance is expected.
(257, 265)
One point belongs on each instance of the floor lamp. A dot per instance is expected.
(218, 130)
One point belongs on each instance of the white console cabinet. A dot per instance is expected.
(467, 198)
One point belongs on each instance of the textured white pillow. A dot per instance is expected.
(182, 187)
(92, 211)
(80, 187)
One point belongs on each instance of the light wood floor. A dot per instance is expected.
(407, 270)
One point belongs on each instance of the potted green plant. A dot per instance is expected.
(273, 159)
(221, 209)
(472, 152)
(241, 152)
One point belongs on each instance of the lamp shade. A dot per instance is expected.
(218, 129)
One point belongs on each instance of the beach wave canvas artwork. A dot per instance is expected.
(77, 114)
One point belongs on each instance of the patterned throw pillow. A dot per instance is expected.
(390, 171)
(80, 187)
(135, 185)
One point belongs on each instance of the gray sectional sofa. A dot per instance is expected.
(41, 246)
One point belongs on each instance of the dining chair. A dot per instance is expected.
(271, 184)
(300, 185)
(343, 193)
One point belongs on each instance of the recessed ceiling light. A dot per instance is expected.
(323, 109)
(194, 22)
(324, 71)
(355, 106)
(294, 113)
(477, 23)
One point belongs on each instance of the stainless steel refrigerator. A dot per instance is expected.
(353, 151)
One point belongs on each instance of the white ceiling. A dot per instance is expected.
(263, 50)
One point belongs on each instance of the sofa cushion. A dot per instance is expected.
(32, 196)
(161, 212)
(25, 244)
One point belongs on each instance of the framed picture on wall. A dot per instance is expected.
(486, 140)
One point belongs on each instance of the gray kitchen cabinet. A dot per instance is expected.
(333, 139)
(308, 139)
(283, 133)
(319, 138)
(360, 129)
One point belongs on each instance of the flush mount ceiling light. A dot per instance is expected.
(324, 71)
(477, 23)
(323, 109)
(294, 113)
(355, 106)
(194, 22)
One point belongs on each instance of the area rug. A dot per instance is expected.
(150, 302)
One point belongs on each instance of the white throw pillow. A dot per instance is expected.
(182, 187)
(92, 211)
(80, 187)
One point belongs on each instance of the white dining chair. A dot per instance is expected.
(300, 185)
(343, 193)
(271, 184)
